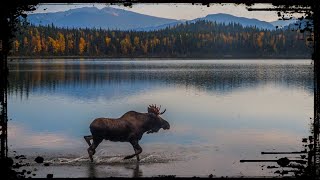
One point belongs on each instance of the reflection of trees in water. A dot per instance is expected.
(221, 78)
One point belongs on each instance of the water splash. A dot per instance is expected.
(116, 159)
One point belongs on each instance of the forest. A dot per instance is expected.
(202, 39)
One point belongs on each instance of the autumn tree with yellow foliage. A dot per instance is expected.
(198, 39)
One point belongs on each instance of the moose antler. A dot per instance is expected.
(163, 111)
(154, 109)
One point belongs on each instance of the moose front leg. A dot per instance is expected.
(92, 148)
(137, 150)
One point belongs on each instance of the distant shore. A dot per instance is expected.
(153, 57)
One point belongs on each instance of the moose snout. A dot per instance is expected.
(166, 126)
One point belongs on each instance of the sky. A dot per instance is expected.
(175, 11)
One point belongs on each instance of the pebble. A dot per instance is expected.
(39, 159)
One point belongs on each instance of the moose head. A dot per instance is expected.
(155, 111)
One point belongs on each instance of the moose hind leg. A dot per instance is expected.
(92, 148)
(137, 150)
(88, 138)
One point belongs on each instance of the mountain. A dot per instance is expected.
(92, 17)
(246, 22)
(112, 18)
(220, 18)
(283, 23)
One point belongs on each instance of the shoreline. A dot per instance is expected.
(152, 58)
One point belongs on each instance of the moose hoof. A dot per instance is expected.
(127, 157)
(91, 153)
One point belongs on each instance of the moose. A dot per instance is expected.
(128, 128)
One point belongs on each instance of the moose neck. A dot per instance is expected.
(151, 123)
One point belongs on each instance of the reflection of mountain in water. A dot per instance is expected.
(89, 79)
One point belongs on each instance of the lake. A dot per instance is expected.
(220, 111)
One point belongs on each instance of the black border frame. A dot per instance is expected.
(284, 6)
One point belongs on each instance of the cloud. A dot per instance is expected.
(20, 137)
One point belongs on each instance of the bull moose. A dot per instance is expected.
(128, 128)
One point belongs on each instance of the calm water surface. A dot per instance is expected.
(220, 111)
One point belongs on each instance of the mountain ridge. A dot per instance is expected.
(92, 17)
(120, 19)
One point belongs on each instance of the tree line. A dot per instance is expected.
(197, 39)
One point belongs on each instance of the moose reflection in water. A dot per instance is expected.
(128, 128)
